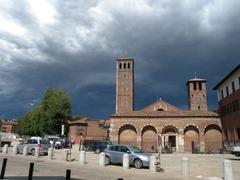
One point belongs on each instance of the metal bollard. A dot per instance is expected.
(185, 166)
(228, 175)
(5, 149)
(30, 173)
(3, 168)
(152, 164)
(125, 161)
(82, 158)
(102, 159)
(36, 152)
(15, 150)
(68, 174)
(25, 151)
(50, 153)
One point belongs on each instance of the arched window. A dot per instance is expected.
(120, 66)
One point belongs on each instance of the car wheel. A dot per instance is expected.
(97, 151)
(33, 152)
(138, 164)
(107, 160)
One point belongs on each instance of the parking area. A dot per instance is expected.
(202, 166)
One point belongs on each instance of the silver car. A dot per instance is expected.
(32, 144)
(137, 158)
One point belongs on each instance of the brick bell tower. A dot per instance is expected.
(124, 85)
(197, 97)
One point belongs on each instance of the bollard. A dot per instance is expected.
(36, 152)
(5, 149)
(152, 164)
(15, 150)
(82, 158)
(125, 161)
(30, 173)
(3, 168)
(50, 153)
(102, 159)
(25, 151)
(228, 175)
(68, 174)
(185, 166)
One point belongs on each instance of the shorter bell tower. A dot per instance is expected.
(197, 97)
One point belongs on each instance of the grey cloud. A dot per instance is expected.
(169, 40)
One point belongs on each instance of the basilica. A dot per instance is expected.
(161, 123)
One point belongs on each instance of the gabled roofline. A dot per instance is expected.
(226, 77)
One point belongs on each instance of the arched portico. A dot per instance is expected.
(213, 138)
(149, 138)
(127, 134)
(170, 138)
(191, 138)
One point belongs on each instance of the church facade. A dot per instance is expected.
(195, 129)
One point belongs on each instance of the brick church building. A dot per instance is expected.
(195, 129)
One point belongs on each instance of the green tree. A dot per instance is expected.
(57, 109)
(47, 118)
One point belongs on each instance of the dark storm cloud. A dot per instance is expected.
(74, 44)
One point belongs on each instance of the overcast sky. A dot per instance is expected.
(74, 45)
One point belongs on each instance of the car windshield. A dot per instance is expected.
(136, 149)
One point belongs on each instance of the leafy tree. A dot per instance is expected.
(47, 118)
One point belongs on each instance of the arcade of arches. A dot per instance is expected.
(178, 139)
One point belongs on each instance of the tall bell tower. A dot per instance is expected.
(197, 97)
(124, 85)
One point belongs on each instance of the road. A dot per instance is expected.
(202, 167)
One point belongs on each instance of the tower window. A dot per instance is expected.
(200, 85)
(120, 66)
(124, 66)
(222, 94)
(129, 66)
(198, 107)
(233, 87)
(227, 91)
(194, 86)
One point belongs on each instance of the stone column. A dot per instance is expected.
(201, 140)
(82, 158)
(25, 151)
(102, 159)
(37, 152)
(228, 175)
(177, 142)
(152, 165)
(181, 141)
(15, 150)
(114, 136)
(50, 153)
(125, 161)
(139, 139)
(185, 166)
(5, 149)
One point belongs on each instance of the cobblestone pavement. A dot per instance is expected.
(202, 166)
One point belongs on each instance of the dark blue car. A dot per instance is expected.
(100, 146)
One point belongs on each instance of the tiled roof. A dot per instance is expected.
(160, 114)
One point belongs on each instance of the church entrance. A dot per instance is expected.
(170, 135)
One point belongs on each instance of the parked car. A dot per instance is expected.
(235, 150)
(56, 142)
(32, 143)
(137, 158)
(100, 146)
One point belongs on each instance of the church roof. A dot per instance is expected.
(160, 104)
(163, 114)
